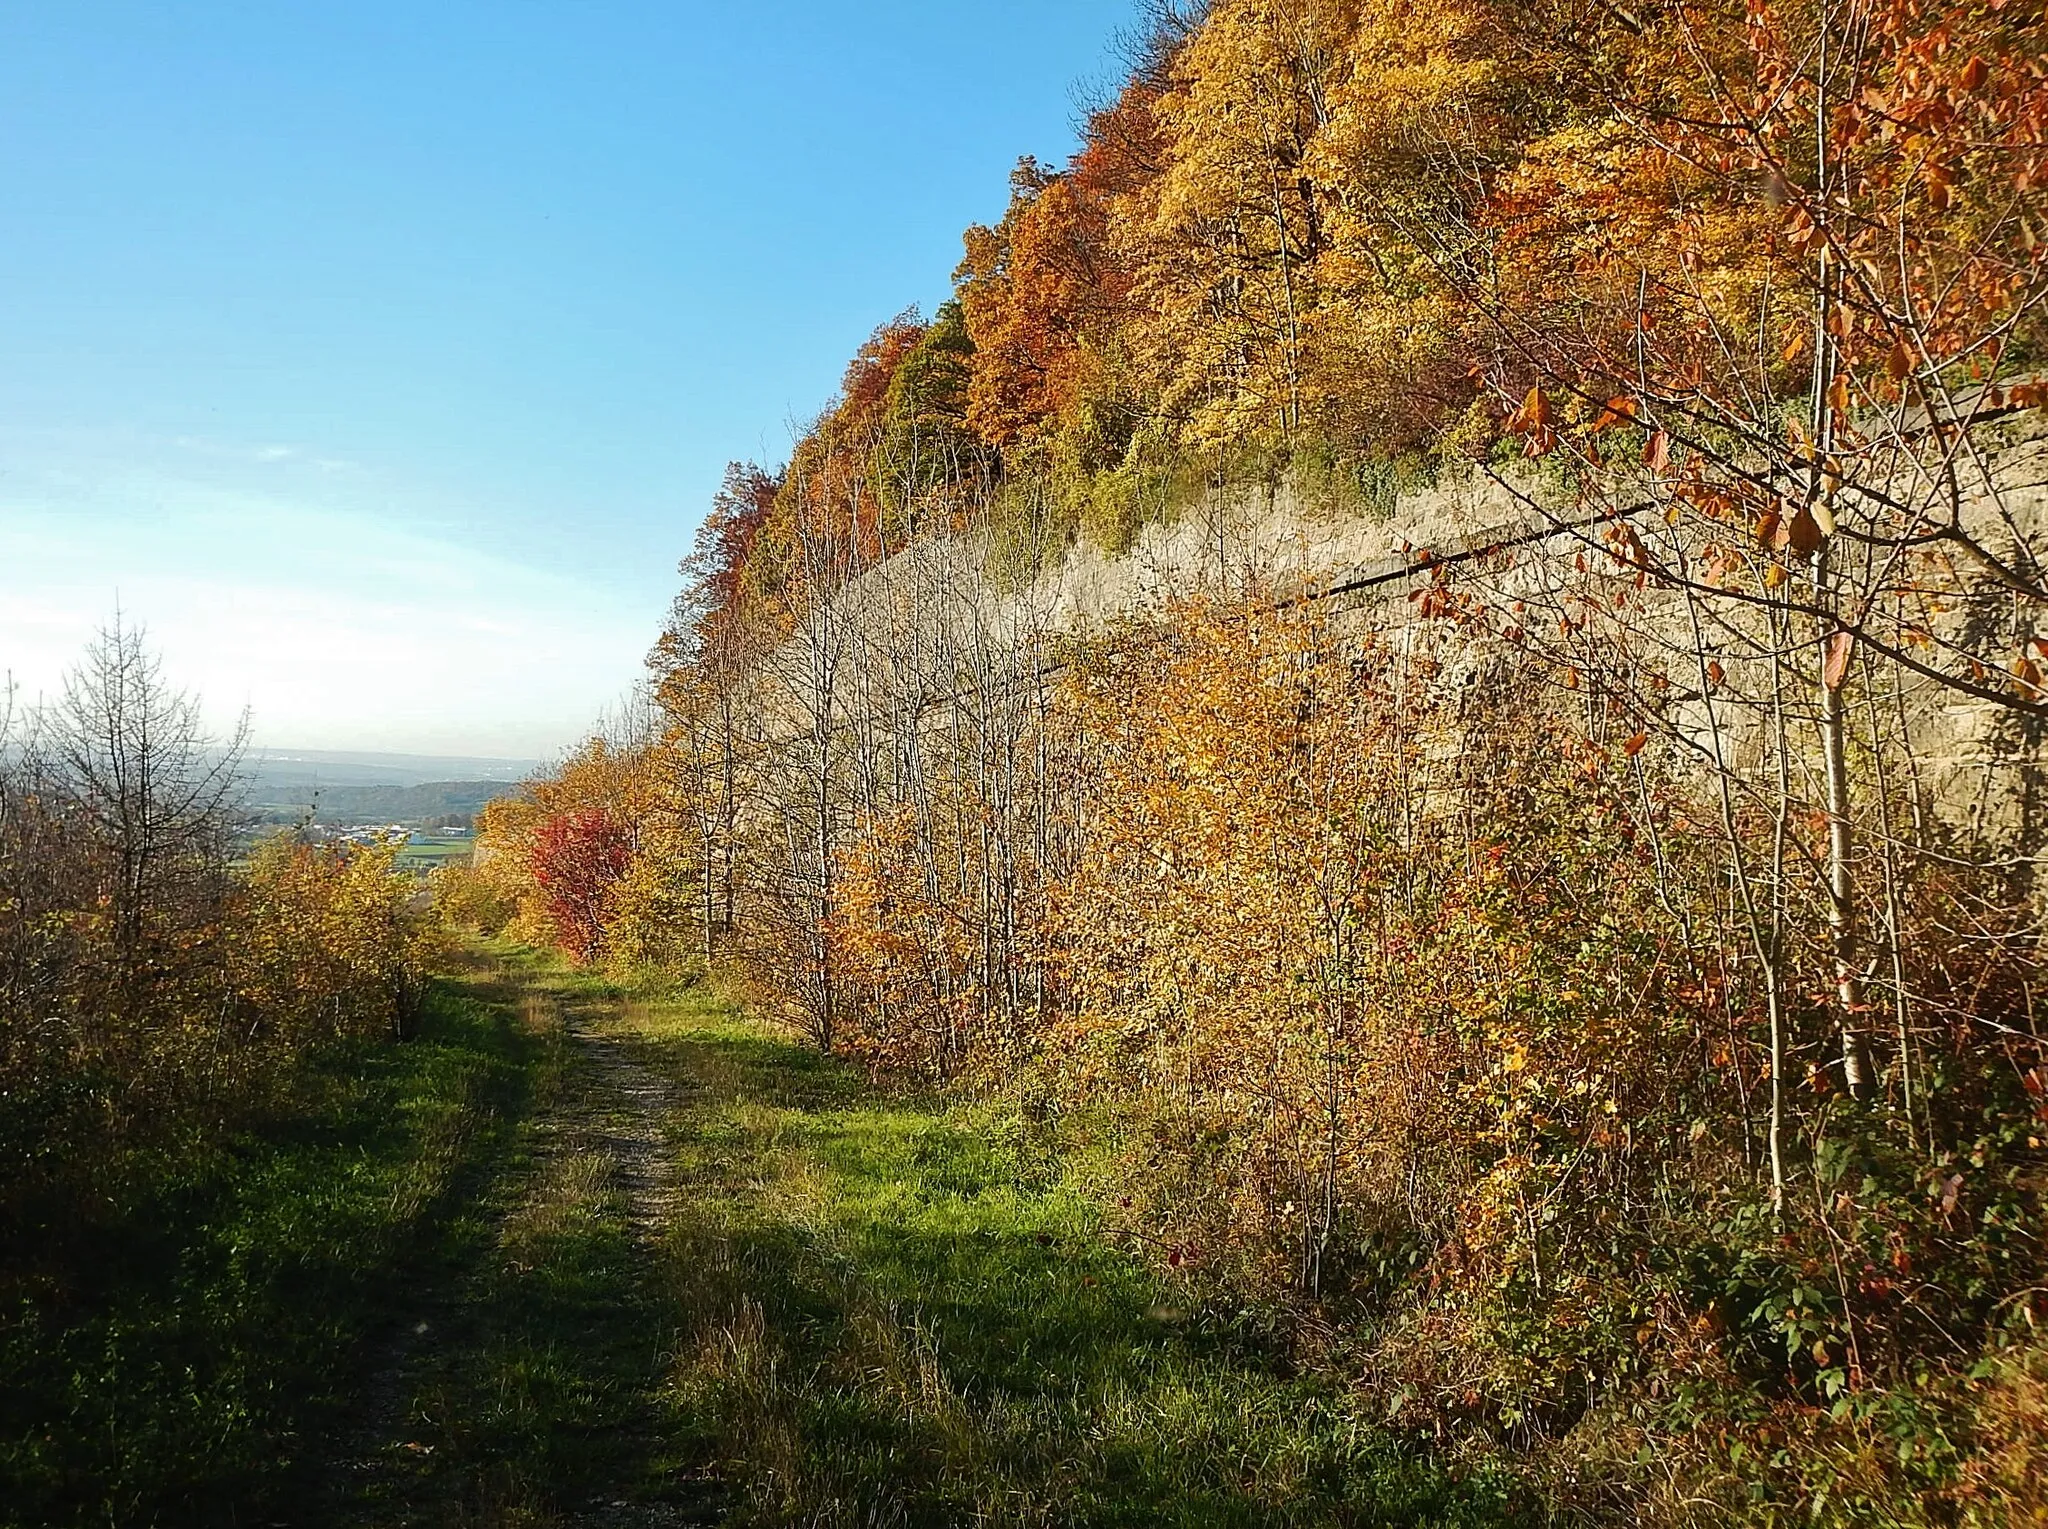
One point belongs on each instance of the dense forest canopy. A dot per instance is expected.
(1371, 230)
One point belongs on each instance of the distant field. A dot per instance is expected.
(424, 854)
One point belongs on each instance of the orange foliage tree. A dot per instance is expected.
(1573, 997)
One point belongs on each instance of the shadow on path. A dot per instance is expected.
(524, 1389)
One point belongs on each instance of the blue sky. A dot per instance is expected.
(381, 357)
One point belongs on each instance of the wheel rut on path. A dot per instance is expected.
(631, 1133)
(595, 1148)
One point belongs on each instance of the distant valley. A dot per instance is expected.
(349, 788)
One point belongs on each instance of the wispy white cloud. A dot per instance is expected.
(207, 449)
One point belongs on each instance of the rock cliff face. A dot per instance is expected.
(934, 618)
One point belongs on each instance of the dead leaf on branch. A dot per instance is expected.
(1835, 667)
(1804, 536)
(1616, 411)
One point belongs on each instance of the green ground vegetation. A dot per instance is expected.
(584, 1253)
(899, 1309)
(427, 852)
(732, 1281)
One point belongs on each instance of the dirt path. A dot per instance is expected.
(634, 1104)
(522, 1388)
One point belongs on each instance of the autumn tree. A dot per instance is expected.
(157, 990)
(1780, 286)
(578, 857)
(133, 765)
(328, 947)
(1594, 996)
(1038, 292)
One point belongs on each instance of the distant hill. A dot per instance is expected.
(346, 767)
(346, 788)
(453, 802)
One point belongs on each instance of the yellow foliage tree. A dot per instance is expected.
(329, 947)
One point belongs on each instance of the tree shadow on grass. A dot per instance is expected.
(192, 1347)
(890, 1320)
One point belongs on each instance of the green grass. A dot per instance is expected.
(424, 854)
(894, 1311)
(174, 1359)
(538, 1389)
